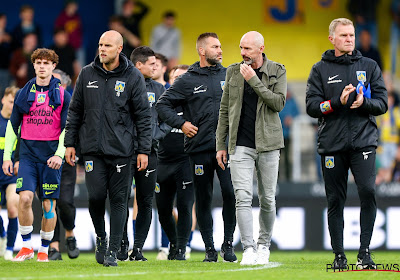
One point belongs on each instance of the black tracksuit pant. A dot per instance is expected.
(203, 166)
(145, 182)
(335, 168)
(66, 210)
(108, 176)
(175, 179)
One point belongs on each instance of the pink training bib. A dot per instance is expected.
(42, 122)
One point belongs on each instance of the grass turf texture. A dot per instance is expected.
(284, 265)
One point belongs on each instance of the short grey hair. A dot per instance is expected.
(336, 22)
(65, 79)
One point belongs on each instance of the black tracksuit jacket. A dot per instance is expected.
(199, 92)
(345, 129)
(105, 107)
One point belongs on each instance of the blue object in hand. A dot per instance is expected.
(366, 93)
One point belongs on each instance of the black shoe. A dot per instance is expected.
(73, 251)
(211, 255)
(110, 259)
(54, 255)
(172, 252)
(137, 255)
(101, 248)
(364, 260)
(122, 253)
(180, 255)
(340, 262)
(227, 252)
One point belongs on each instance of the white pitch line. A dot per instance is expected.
(270, 265)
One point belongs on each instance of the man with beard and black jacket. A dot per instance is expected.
(345, 91)
(199, 93)
(143, 58)
(109, 100)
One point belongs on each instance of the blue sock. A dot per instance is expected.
(46, 243)
(12, 232)
(2, 232)
(190, 239)
(164, 239)
(26, 236)
(134, 228)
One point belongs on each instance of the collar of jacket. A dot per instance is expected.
(124, 64)
(346, 59)
(195, 67)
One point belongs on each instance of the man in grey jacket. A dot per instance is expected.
(254, 93)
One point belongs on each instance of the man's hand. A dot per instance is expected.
(247, 72)
(346, 93)
(8, 167)
(189, 129)
(142, 162)
(359, 99)
(70, 156)
(222, 158)
(16, 168)
(54, 162)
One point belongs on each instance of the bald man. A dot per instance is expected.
(254, 93)
(109, 99)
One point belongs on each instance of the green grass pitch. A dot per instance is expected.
(283, 265)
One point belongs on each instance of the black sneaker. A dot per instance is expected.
(227, 252)
(101, 248)
(211, 255)
(54, 255)
(180, 255)
(73, 251)
(172, 252)
(110, 259)
(137, 255)
(122, 253)
(340, 262)
(364, 260)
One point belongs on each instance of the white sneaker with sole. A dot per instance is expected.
(8, 255)
(3, 245)
(249, 257)
(188, 251)
(162, 254)
(262, 255)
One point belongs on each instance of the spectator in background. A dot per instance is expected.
(21, 67)
(131, 17)
(394, 33)
(5, 54)
(288, 113)
(389, 135)
(161, 69)
(71, 22)
(66, 210)
(367, 49)
(131, 41)
(66, 53)
(26, 26)
(364, 15)
(166, 39)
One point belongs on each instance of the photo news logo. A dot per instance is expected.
(392, 267)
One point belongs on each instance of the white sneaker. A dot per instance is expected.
(3, 245)
(249, 257)
(8, 255)
(162, 254)
(187, 253)
(262, 255)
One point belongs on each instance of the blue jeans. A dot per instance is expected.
(242, 163)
